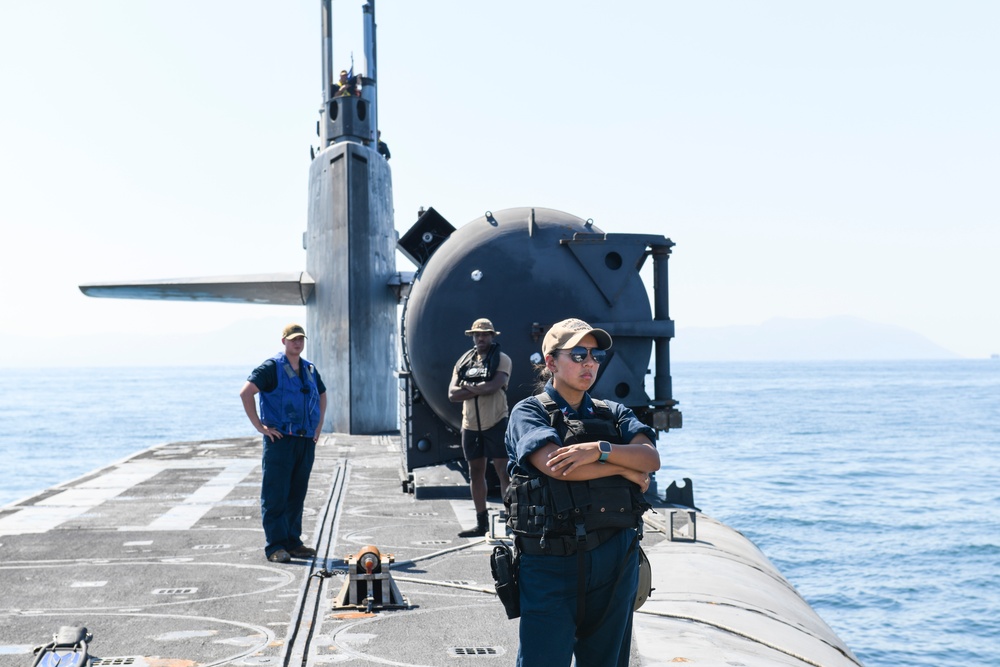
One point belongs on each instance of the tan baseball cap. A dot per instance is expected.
(482, 325)
(293, 331)
(568, 333)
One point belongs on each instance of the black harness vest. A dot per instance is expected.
(556, 517)
(474, 370)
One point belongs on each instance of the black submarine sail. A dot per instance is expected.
(350, 244)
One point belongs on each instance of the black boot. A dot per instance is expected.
(482, 526)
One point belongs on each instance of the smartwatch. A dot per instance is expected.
(605, 447)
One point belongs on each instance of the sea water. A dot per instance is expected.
(874, 487)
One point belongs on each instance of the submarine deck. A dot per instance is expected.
(160, 556)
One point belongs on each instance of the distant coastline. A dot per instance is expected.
(840, 338)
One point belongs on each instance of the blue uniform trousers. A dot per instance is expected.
(548, 586)
(286, 464)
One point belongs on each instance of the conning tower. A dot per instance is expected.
(350, 256)
(351, 252)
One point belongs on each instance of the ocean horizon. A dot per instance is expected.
(800, 340)
(872, 486)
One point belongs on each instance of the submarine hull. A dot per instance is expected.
(718, 600)
(160, 555)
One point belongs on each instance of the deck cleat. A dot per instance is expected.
(369, 585)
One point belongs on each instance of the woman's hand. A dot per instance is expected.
(565, 459)
(640, 478)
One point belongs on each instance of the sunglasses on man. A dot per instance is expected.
(579, 354)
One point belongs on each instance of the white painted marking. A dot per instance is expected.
(201, 502)
(67, 505)
(88, 584)
(239, 641)
(137, 543)
(80, 499)
(180, 517)
(178, 635)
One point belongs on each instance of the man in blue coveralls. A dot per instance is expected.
(292, 407)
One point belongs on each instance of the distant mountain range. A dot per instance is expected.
(249, 342)
(787, 339)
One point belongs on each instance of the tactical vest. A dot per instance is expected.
(475, 370)
(561, 517)
(293, 406)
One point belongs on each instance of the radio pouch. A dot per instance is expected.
(504, 567)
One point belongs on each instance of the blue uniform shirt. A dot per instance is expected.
(529, 426)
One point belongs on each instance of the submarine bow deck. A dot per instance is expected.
(160, 555)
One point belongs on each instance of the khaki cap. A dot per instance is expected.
(568, 333)
(293, 331)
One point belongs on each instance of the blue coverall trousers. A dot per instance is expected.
(548, 586)
(287, 463)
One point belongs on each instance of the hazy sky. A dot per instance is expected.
(809, 159)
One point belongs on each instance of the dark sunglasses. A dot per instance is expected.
(579, 354)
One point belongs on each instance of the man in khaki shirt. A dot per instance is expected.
(479, 382)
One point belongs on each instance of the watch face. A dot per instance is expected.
(605, 446)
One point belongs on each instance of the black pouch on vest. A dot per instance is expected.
(504, 567)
